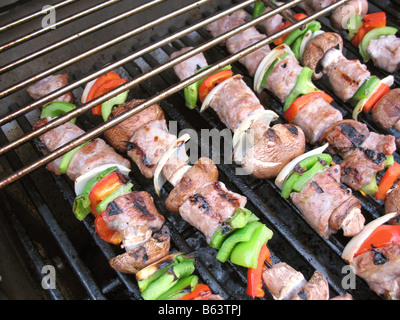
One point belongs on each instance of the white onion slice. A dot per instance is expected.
(355, 243)
(215, 90)
(266, 63)
(240, 146)
(82, 180)
(307, 37)
(389, 80)
(330, 56)
(174, 148)
(86, 91)
(280, 179)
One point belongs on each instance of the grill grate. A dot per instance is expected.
(85, 255)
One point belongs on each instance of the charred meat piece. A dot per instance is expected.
(188, 67)
(345, 76)
(148, 144)
(321, 202)
(277, 146)
(134, 217)
(316, 117)
(204, 171)
(241, 40)
(380, 268)
(317, 288)
(392, 202)
(386, 112)
(385, 52)
(211, 205)
(283, 77)
(344, 136)
(119, 135)
(48, 85)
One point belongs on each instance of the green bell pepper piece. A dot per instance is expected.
(389, 161)
(82, 202)
(240, 218)
(243, 234)
(246, 253)
(259, 8)
(372, 187)
(288, 185)
(56, 108)
(365, 90)
(107, 107)
(353, 25)
(159, 286)
(177, 290)
(66, 159)
(296, 46)
(318, 167)
(309, 162)
(191, 92)
(374, 34)
(303, 86)
(124, 189)
(313, 26)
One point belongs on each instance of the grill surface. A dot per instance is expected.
(37, 207)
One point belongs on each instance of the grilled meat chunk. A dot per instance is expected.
(283, 77)
(321, 202)
(119, 135)
(386, 112)
(316, 117)
(392, 202)
(148, 144)
(317, 288)
(241, 40)
(188, 67)
(48, 85)
(343, 13)
(211, 205)
(234, 102)
(134, 217)
(345, 76)
(380, 268)
(283, 281)
(385, 52)
(276, 22)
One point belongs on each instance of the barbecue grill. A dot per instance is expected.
(135, 38)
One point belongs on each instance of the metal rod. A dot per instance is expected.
(59, 92)
(171, 90)
(33, 15)
(102, 47)
(76, 36)
(286, 15)
(37, 33)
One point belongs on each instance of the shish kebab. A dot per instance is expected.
(281, 279)
(341, 208)
(122, 216)
(351, 81)
(381, 274)
(321, 52)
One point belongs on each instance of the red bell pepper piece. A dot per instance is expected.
(300, 102)
(371, 21)
(103, 188)
(254, 276)
(105, 87)
(200, 292)
(380, 237)
(212, 81)
(111, 236)
(390, 176)
(373, 99)
(100, 81)
(298, 16)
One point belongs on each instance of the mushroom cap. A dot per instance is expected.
(203, 171)
(386, 111)
(118, 135)
(280, 144)
(316, 49)
(152, 250)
